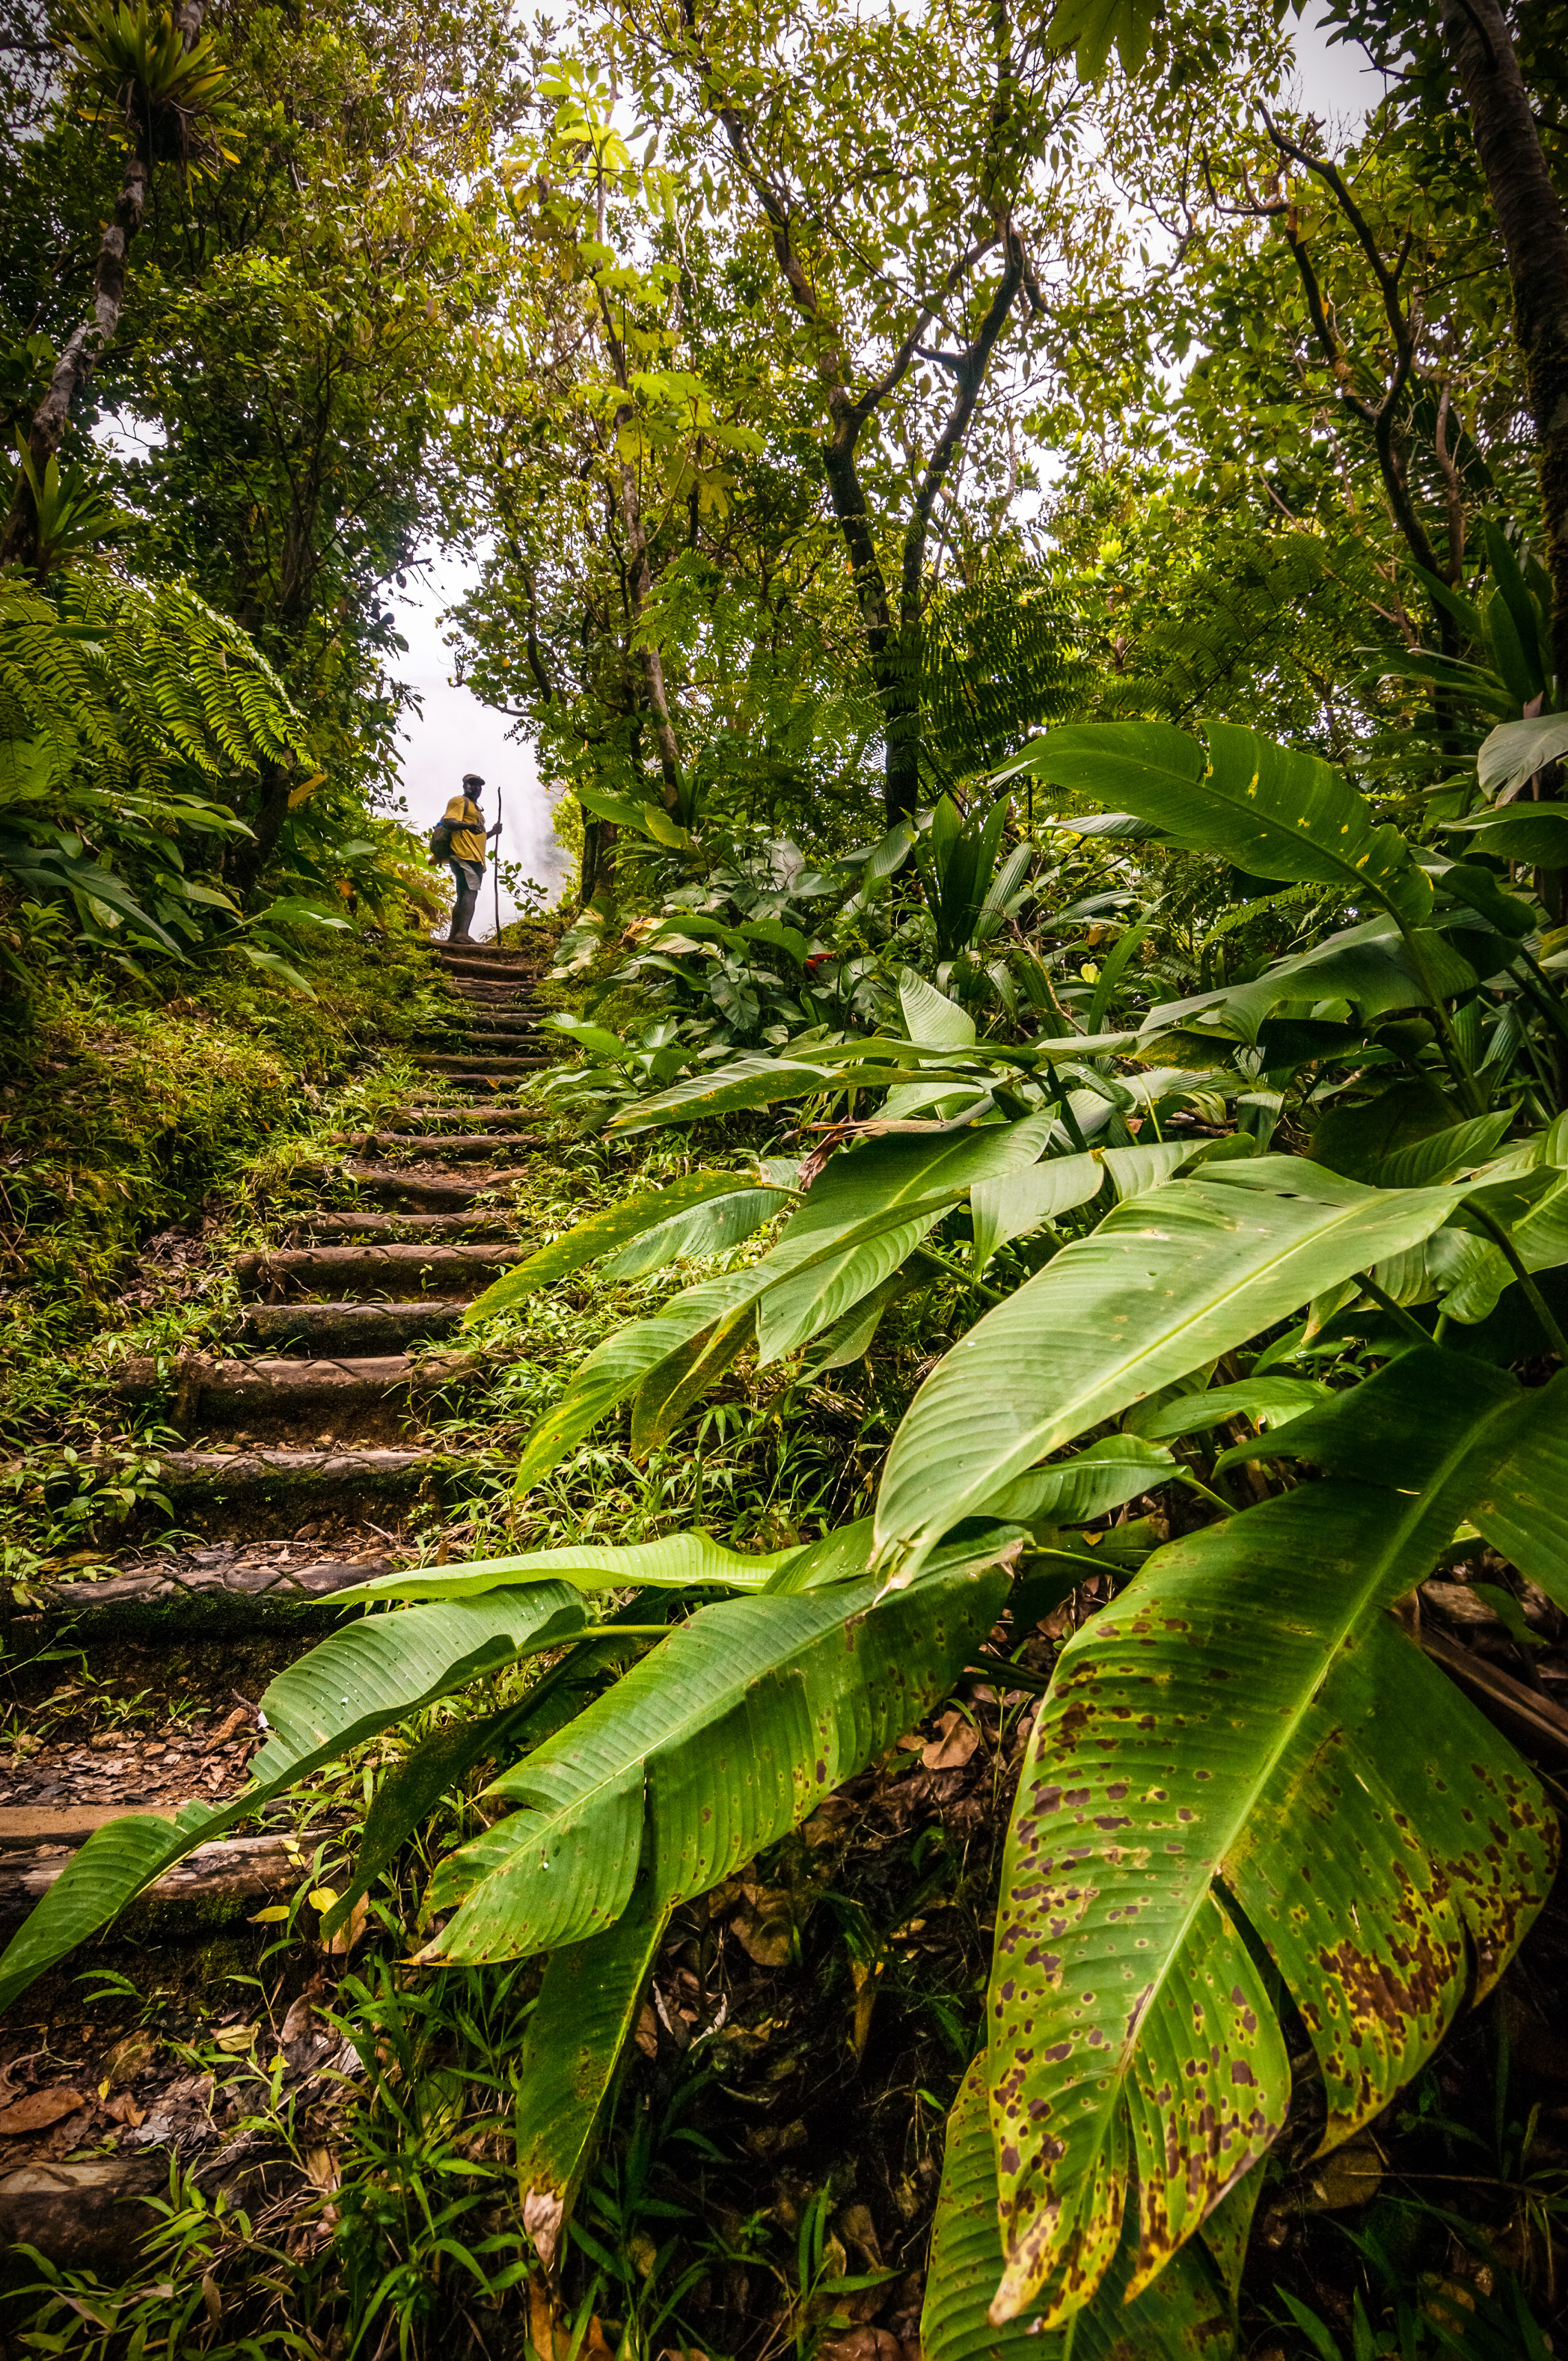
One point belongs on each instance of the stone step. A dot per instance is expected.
(372, 1267)
(352, 1328)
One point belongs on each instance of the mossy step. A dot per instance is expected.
(481, 1067)
(463, 1146)
(206, 1388)
(326, 1227)
(353, 1328)
(194, 1602)
(374, 1266)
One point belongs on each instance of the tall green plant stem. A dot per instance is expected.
(1397, 1312)
(1532, 976)
(1454, 1056)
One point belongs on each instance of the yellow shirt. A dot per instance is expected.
(467, 840)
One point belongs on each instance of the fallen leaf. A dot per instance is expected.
(128, 2061)
(353, 1927)
(321, 2164)
(647, 2033)
(298, 2020)
(764, 1927)
(551, 2336)
(227, 1729)
(234, 2038)
(40, 2109)
(124, 2109)
(855, 2226)
(955, 1741)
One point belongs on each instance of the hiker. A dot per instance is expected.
(457, 842)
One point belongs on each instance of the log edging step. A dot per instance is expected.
(361, 1327)
(202, 1383)
(212, 1886)
(369, 1266)
(195, 1605)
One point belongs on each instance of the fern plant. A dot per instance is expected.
(127, 710)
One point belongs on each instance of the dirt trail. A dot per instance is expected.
(305, 1444)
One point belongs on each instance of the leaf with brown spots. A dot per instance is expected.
(587, 2009)
(1243, 1740)
(1189, 2313)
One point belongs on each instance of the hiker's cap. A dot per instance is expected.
(472, 779)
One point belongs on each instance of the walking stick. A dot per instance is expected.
(497, 868)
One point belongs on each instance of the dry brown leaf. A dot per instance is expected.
(543, 2212)
(353, 1927)
(298, 2020)
(122, 2109)
(40, 2109)
(955, 1741)
(549, 2336)
(764, 1927)
(647, 2033)
(129, 2061)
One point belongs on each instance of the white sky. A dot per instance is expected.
(454, 734)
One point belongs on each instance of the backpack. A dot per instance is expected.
(441, 841)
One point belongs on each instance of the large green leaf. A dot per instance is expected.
(581, 2023)
(862, 1194)
(1520, 1504)
(1167, 1282)
(355, 1682)
(935, 1022)
(1538, 1235)
(1371, 966)
(1071, 1491)
(1272, 811)
(1523, 1509)
(614, 1370)
(679, 1562)
(1187, 2314)
(716, 1743)
(801, 1306)
(710, 1229)
(753, 1080)
(601, 1234)
(666, 1393)
(1306, 1767)
(1269, 1400)
(1018, 1203)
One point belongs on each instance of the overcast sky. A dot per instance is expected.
(455, 732)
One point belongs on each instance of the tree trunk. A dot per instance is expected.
(88, 339)
(639, 584)
(253, 853)
(1535, 241)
